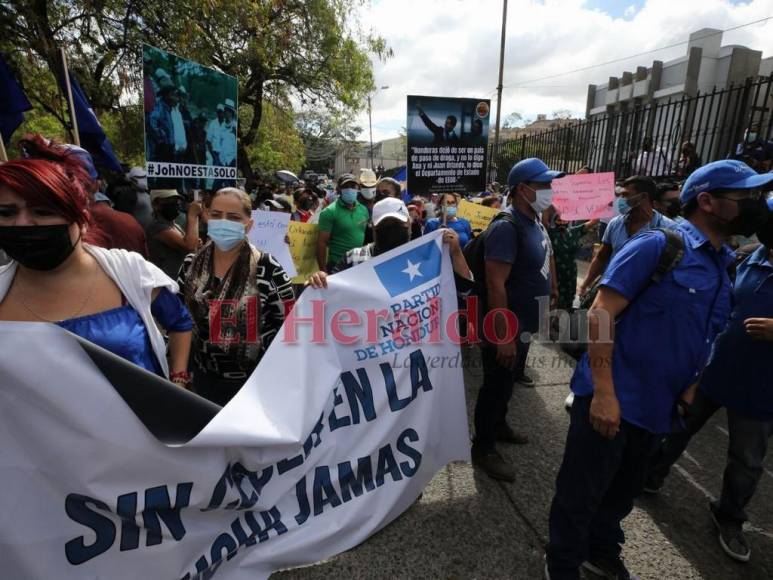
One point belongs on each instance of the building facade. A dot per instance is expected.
(387, 155)
(641, 118)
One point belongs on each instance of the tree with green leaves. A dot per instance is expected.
(282, 51)
(305, 50)
(324, 133)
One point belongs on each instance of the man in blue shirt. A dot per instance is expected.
(637, 214)
(626, 391)
(161, 126)
(518, 274)
(739, 377)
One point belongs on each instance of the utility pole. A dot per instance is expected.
(499, 87)
(370, 125)
(370, 122)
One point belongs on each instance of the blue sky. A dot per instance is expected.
(616, 9)
(451, 47)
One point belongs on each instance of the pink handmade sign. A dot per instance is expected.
(584, 197)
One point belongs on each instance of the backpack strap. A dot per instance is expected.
(671, 256)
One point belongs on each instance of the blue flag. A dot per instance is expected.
(13, 102)
(401, 176)
(410, 269)
(93, 138)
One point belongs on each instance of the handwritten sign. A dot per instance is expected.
(478, 215)
(584, 197)
(303, 249)
(268, 235)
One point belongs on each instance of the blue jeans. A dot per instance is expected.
(595, 489)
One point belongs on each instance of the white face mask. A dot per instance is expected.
(368, 193)
(543, 200)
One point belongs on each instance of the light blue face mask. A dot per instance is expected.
(349, 195)
(623, 207)
(451, 211)
(225, 234)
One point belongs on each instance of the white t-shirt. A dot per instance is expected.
(180, 141)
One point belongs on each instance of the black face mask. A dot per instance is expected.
(752, 215)
(37, 247)
(673, 208)
(765, 233)
(169, 211)
(305, 204)
(391, 236)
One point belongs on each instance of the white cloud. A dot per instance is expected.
(451, 48)
(630, 11)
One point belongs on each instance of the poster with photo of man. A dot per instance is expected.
(190, 123)
(447, 144)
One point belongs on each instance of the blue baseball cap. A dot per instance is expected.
(532, 169)
(724, 174)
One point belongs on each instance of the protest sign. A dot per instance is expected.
(329, 440)
(478, 215)
(303, 249)
(447, 144)
(585, 196)
(268, 235)
(190, 123)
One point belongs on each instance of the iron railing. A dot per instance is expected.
(647, 139)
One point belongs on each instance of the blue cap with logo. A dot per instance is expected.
(532, 169)
(725, 174)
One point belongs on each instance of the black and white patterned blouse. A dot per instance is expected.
(275, 293)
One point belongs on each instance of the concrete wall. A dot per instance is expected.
(705, 65)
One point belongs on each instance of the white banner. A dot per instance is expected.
(268, 234)
(190, 171)
(356, 405)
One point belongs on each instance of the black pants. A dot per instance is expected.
(595, 489)
(745, 455)
(495, 393)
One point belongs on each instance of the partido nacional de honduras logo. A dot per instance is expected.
(410, 269)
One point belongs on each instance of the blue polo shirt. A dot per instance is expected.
(739, 375)
(663, 338)
(529, 254)
(616, 234)
(460, 225)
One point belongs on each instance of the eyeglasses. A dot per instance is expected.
(753, 194)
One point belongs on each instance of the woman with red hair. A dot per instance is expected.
(59, 274)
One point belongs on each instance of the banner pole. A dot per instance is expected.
(3, 153)
(70, 103)
(495, 148)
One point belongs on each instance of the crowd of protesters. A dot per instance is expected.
(136, 270)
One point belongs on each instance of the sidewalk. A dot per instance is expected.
(469, 526)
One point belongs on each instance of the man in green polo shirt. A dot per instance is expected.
(341, 224)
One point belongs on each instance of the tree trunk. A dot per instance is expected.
(247, 138)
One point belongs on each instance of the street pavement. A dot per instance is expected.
(467, 525)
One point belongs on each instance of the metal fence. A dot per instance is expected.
(647, 139)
